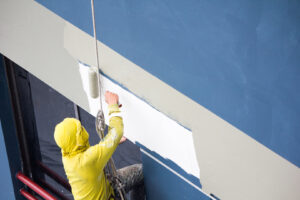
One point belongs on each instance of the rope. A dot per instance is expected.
(98, 82)
(97, 55)
(101, 129)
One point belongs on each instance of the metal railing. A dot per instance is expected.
(34, 186)
(54, 176)
(41, 191)
(27, 195)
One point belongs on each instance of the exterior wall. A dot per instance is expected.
(233, 165)
(238, 59)
(10, 156)
(6, 182)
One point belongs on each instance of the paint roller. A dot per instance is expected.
(93, 82)
(94, 93)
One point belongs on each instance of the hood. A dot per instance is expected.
(71, 137)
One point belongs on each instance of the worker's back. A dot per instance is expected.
(86, 176)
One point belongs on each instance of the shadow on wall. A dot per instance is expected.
(161, 183)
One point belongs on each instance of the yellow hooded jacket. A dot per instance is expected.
(83, 163)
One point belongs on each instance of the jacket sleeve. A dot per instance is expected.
(102, 152)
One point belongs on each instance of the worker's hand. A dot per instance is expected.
(111, 98)
(123, 139)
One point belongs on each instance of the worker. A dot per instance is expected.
(84, 164)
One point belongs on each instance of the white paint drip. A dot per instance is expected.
(149, 127)
(110, 141)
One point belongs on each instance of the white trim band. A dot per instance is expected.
(115, 115)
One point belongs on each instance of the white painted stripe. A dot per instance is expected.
(147, 126)
(177, 174)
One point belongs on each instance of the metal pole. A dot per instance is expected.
(14, 96)
(76, 109)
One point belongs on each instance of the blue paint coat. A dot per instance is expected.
(237, 58)
(5, 181)
(162, 184)
(10, 156)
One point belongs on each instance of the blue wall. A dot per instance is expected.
(161, 183)
(237, 58)
(7, 190)
(10, 162)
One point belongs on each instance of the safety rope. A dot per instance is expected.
(100, 118)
